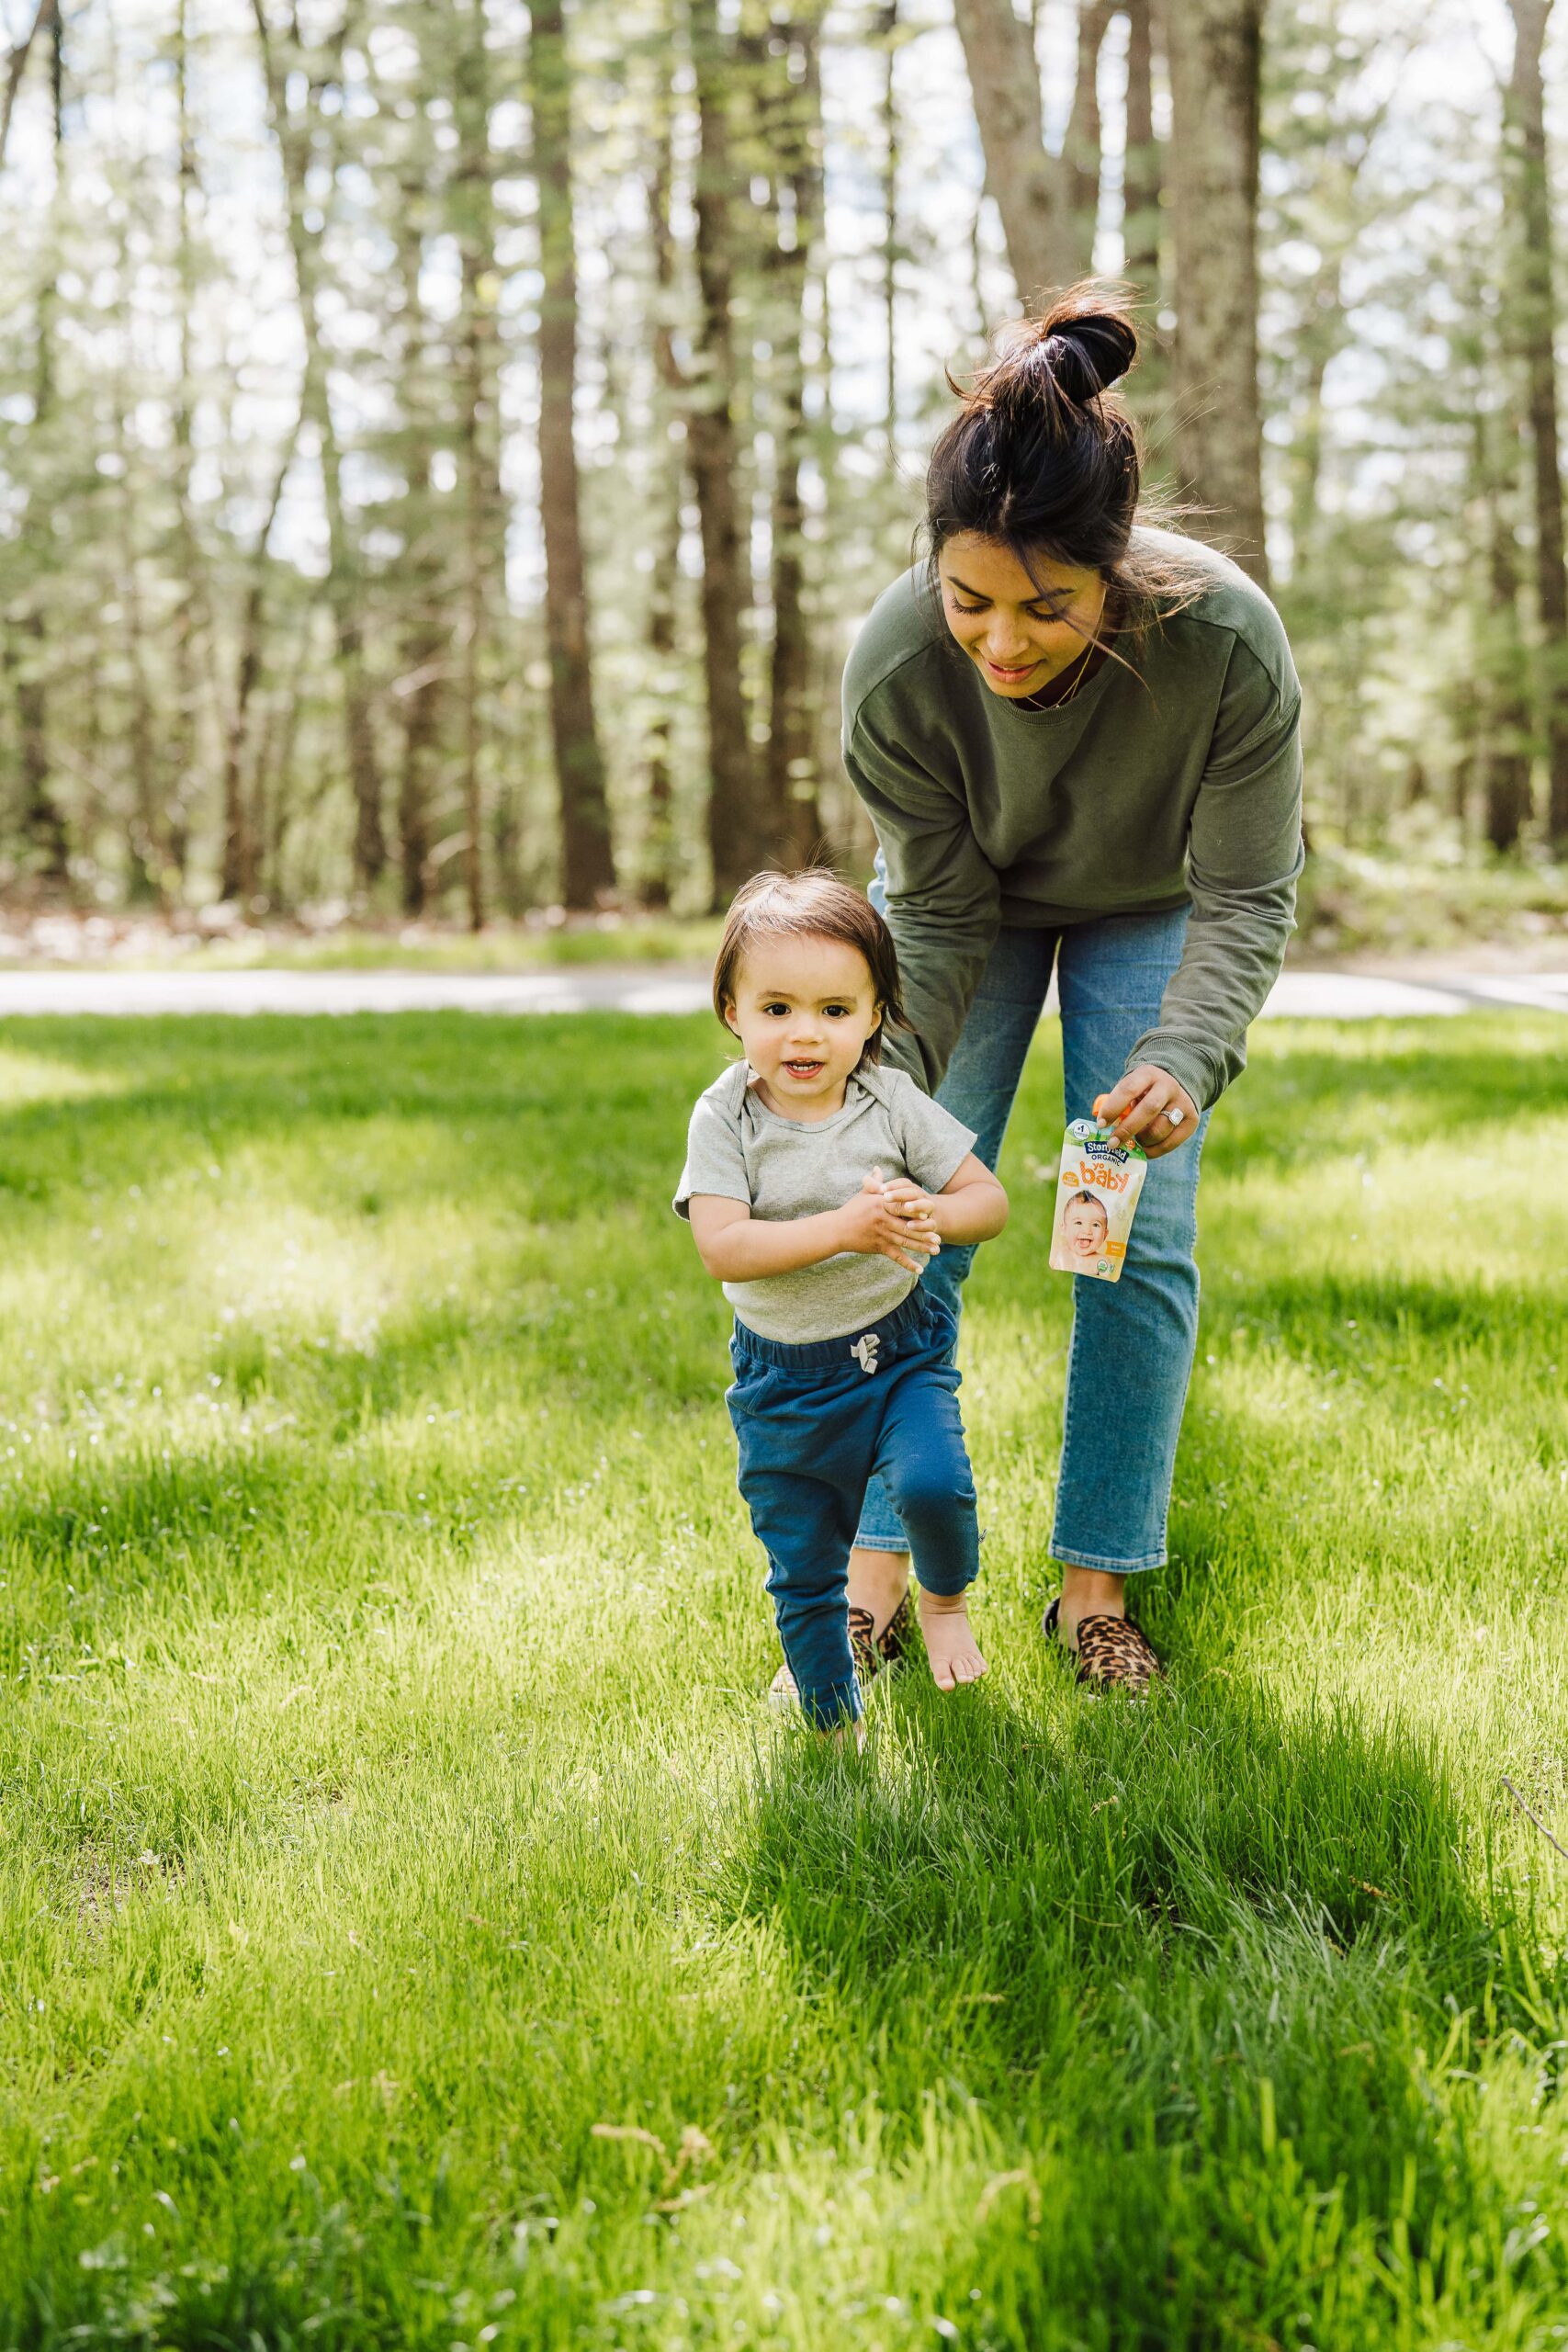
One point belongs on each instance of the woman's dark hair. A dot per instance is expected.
(812, 905)
(1043, 458)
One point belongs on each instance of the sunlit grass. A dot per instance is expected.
(389, 1803)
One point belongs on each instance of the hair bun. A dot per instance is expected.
(1089, 343)
(1085, 344)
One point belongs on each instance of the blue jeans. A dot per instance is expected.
(814, 1422)
(1132, 1341)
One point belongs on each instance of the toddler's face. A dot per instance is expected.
(1085, 1227)
(803, 1009)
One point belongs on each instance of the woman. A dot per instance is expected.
(1078, 739)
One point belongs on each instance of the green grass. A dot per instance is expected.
(388, 1803)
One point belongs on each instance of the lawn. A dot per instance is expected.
(415, 1931)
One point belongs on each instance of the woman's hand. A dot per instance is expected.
(1154, 1106)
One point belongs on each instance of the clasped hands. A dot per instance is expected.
(892, 1217)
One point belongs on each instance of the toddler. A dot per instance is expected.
(818, 1188)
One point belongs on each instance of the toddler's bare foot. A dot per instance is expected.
(953, 1652)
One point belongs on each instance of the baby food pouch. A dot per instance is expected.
(1097, 1191)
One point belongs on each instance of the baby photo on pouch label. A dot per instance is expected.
(1097, 1191)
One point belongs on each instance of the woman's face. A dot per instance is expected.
(1020, 633)
(1085, 1227)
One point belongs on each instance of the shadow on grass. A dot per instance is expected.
(237, 1078)
(1189, 1976)
(978, 1839)
(1306, 1313)
(236, 1081)
(316, 2284)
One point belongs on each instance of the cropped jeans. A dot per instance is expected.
(1131, 1353)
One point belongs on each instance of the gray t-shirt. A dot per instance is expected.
(740, 1150)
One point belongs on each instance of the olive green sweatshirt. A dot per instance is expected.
(1174, 782)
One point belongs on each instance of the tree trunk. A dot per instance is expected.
(657, 855)
(1141, 164)
(792, 137)
(241, 830)
(46, 20)
(1142, 229)
(1215, 61)
(422, 649)
(141, 731)
(272, 805)
(1505, 761)
(1004, 82)
(43, 822)
(1534, 319)
(1080, 149)
(192, 617)
(426, 637)
(888, 27)
(588, 869)
(658, 846)
(738, 828)
(344, 585)
(472, 218)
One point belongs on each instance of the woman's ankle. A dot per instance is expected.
(1090, 1592)
(878, 1582)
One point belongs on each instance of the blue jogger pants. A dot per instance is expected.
(815, 1423)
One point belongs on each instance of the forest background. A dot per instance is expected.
(446, 448)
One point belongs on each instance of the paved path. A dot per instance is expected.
(1335, 996)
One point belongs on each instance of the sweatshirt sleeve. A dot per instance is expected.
(1244, 858)
(943, 897)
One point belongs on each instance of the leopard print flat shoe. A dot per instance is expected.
(868, 1658)
(1113, 1653)
(893, 1641)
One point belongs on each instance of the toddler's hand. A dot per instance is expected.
(891, 1220)
(907, 1200)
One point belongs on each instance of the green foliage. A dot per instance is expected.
(416, 1932)
(1420, 894)
(179, 676)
